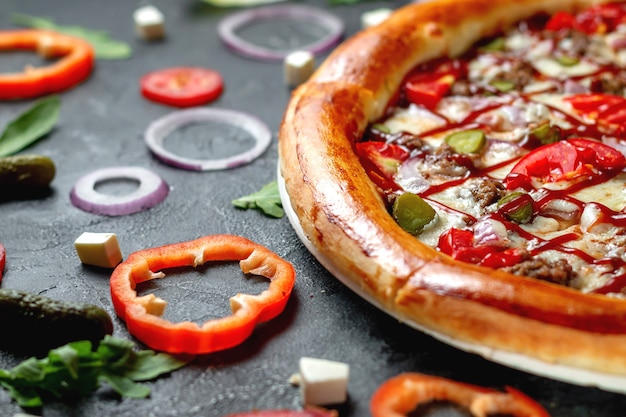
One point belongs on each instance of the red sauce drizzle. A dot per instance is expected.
(543, 196)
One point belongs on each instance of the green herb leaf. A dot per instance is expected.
(30, 125)
(104, 46)
(267, 199)
(76, 370)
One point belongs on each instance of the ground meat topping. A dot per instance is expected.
(443, 162)
(487, 191)
(559, 272)
(519, 72)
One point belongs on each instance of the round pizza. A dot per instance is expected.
(462, 164)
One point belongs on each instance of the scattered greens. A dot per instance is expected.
(30, 126)
(267, 199)
(104, 46)
(75, 370)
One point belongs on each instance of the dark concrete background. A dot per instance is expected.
(101, 125)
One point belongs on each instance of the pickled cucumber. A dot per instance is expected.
(33, 324)
(26, 171)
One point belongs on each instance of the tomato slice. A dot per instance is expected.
(568, 160)
(182, 86)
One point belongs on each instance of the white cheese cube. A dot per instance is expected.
(374, 17)
(298, 67)
(323, 382)
(98, 249)
(149, 23)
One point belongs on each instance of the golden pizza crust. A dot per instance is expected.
(344, 217)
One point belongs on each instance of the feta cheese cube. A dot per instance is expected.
(374, 17)
(149, 23)
(298, 67)
(323, 382)
(98, 249)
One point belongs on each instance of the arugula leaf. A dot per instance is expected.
(30, 125)
(76, 370)
(267, 199)
(104, 46)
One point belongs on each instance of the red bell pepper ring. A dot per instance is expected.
(75, 63)
(567, 160)
(402, 394)
(142, 314)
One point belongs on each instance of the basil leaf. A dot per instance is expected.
(30, 125)
(126, 386)
(267, 199)
(75, 370)
(103, 45)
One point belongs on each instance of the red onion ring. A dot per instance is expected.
(159, 129)
(152, 190)
(228, 27)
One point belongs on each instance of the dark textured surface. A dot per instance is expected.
(101, 125)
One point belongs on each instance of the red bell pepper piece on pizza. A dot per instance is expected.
(401, 395)
(381, 161)
(427, 87)
(74, 62)
(608, 111)
(143, 314)
(568, 160)
(599, 19)
(461, 245)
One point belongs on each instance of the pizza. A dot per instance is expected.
(462, 164)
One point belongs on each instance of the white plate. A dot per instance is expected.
(578, 376)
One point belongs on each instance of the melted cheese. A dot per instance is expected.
(509, 122)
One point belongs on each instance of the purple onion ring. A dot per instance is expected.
(151, 191)
(228, 27)
(158, 130)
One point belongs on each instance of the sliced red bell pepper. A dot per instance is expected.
(3, 257)
(142, 314)
(428, 87)
(602, 18)
(459, 243)
(381, 161)
(567, 160)
(608, 111)
(400, 395)
(75, 63)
